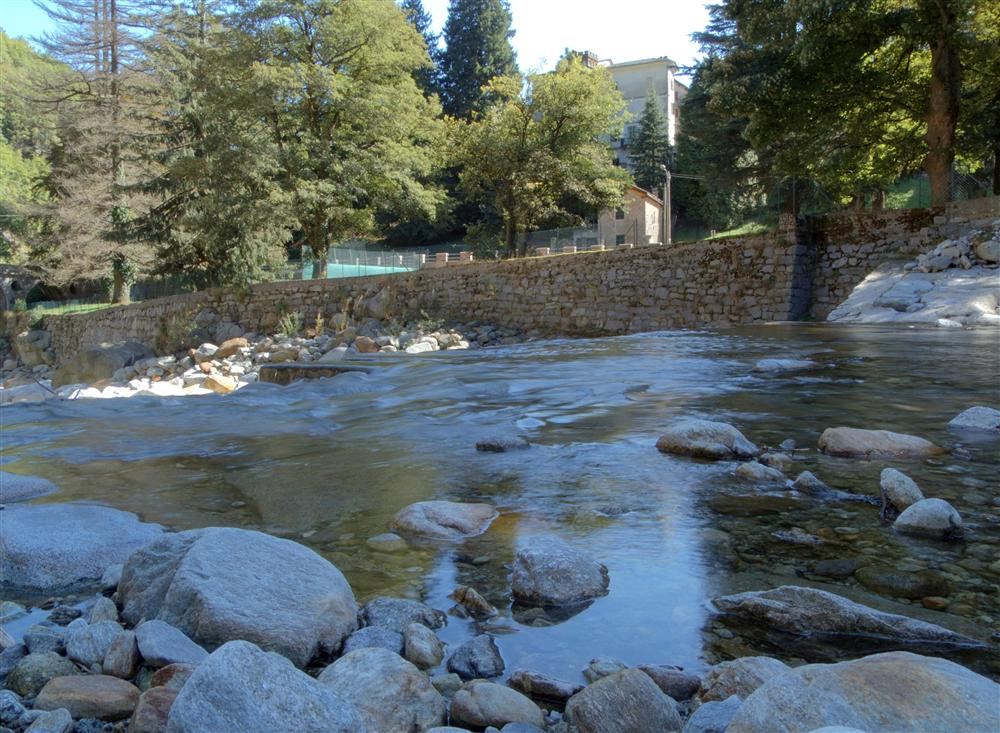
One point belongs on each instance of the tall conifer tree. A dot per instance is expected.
(421, 20)
(650, 148)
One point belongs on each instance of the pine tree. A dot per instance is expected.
(477, 49)
(650, 148)
(421, 20)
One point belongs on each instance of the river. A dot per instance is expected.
(329, 462)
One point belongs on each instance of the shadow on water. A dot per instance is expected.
(328, 463)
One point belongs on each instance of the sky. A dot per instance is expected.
(631, 30)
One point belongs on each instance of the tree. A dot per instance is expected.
(649, 150)
(477, 49)
(421, 20)
(541, 144)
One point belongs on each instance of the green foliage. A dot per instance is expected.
(538, 155)
(420, 19)
(649, 149)
(477, 49)
(290, 324)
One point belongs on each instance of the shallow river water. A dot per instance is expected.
(328, 463)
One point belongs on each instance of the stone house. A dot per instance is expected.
(637, 222)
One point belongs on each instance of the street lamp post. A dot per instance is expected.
(667, 234)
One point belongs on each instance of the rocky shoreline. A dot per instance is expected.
(224, 629)
(130, 369)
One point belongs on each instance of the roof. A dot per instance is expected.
(663, 59)
(646, 194)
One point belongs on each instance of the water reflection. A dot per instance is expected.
(329, 463)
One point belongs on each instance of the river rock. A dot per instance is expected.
(230, 347)
(152, 711)
(480, 704)
(778, 366)
(472, 601)
(714, 716)
(173, 676)
(104, 609)
(540, 686)
(242, 688)
(859, 443)
(807, 483)
(16, 487)
(444, 520)
(899, 489)
(40, 639)
(122, 659)
(739, 677)
(548, 572)
(674, 682)
(100, 362)
(32, 347)
(758, 473)
(902, 583)
(834, 619)
(87, 644)
(421, 646)
(375, 636)
(501, 444)
(387, 542)
(896, 692)
(602, 667)
(220, 584)
(625, 702)
(398, 613)
(977, 418)
(706, 439)
(389, 693)
(89, 696)
(477, 658)
(52, 548)
(32, 672)
(10, 658)
(53, 721)
(161, 644)
(933, 518)
(10, 707)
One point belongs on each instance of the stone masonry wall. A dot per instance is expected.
(778, 276)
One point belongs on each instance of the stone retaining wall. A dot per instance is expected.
(787, 275)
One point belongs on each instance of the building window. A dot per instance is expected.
(619, 213)
(619, 239)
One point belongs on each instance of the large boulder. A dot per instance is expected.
(477, 658)
(934, 518)
(389, 693)
(444, 520)
(89, 696)
(33, 672)
(221, 584)
(897, 692)
(859, 443)
(32, 348)
(55, 548)
(706, 439)
(827, 617)
(88, 644)
(100, 362)
(977, 418)
(623, 702)
(548, 572)
(739, 677)
(160, 644)
(480, 704)
(242, 688)
(713, 717)
(16, 487)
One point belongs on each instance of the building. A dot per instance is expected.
(638, 222)
(634, 80)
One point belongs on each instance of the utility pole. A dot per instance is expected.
(667, 234)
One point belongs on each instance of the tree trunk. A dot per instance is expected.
(319, 266)
(996, 170)
(120, 292)
(878, 200)
(942, 108)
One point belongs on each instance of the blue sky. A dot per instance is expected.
(623, 31)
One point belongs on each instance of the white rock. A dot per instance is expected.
(930, 518)
(900, 489)
(860, 443)
(706, 439)
(420, 347)
(977, 418)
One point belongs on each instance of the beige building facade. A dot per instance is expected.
(638, 222)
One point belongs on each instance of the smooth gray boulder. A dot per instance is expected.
(374, 636)
(10, 707)
(52, 721)
(739, 677)
(934, 518)
(674, 682)
(241, 689)
(759, 473)
(398, 613)
(100, 362)
(221, 584)
(706, 439)
(478, 658)
(421, 646)
(977, 418)
(56, 548)
(480, 704)
(161, 644)
(714, 716)
(104, 609)
(624, 702)
(896, 692)
(89, 643)
(540, 686)
(34, 671)
(15, 487)
(836, 620)
(444, 520)
(548, 572)
(859, 443)
(389, 693)
(899, 489)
